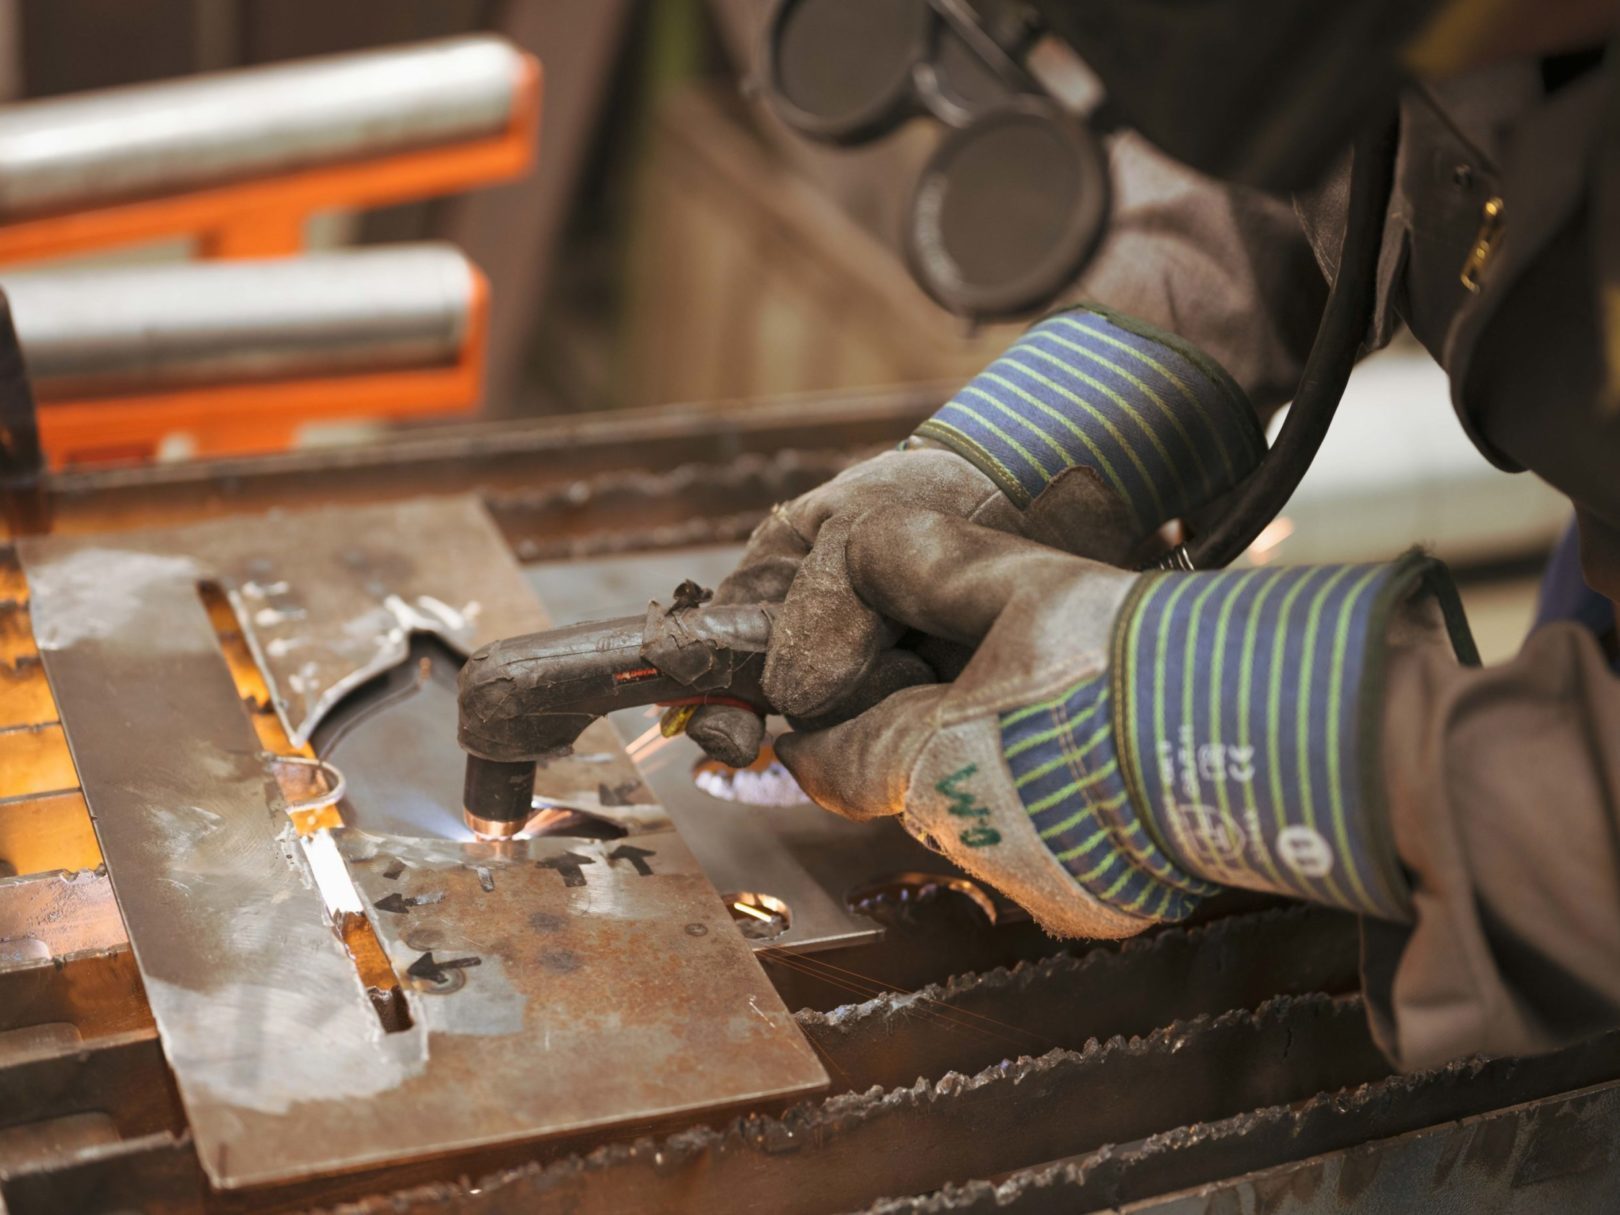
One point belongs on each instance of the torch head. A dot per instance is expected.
(524, 701)
(497, 798)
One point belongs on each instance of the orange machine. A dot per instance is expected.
(238, 202)
(232, 357)
(247, 418)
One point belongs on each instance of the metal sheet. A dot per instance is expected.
(121, 1075)
(394, 740)
(97, 991)
(159, 1171)
(592, 482)
(279, 1056)
(1561, 1154)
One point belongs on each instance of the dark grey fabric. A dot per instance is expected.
(1504, 789)
(1504, 783)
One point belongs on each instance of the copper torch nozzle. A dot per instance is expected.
(492, 828)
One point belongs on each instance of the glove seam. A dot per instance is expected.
(981, 459)
(1182, 883)
(1017, 690)
(1130, 771)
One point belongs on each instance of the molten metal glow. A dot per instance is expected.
(488, 829)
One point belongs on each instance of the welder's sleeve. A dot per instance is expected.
(1504, 797)
(1228, 269)
(1193, 324)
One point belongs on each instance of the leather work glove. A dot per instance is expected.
(1122, 745)
(1088, 434)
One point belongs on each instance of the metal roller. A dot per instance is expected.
(151, 327)
(95, 148)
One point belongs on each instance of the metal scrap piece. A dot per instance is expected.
(1557, 1154)
(555, 485)
(282, 1064)
(609, 966)
(121, 1075)
(45, 915)
(97, 991)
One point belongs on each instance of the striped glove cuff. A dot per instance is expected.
(1233, 742)
(1066, 768)
(1157, 420)
(1248, 716)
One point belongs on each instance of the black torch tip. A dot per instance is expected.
(498, 797)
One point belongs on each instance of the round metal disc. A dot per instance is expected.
(1008, 210)
(842, 70)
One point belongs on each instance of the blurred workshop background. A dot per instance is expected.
(670, 243)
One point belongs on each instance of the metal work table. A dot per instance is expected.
(1217, 1067)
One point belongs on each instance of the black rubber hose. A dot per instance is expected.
(1346, 319)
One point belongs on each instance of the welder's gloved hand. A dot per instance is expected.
(1088, 434)
(1122, 745)
(806, 537)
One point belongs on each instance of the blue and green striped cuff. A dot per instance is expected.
(1248, 709)
(1155, 418)
(1066, 769)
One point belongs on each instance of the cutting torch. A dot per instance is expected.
(524, 701)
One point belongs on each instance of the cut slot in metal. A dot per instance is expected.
(312, 789)
(347, 911)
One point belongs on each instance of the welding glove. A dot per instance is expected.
(1122, 745)
(1088, 434)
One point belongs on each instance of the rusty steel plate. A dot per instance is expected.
(554, 987)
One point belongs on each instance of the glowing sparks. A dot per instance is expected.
(642, 752)
(1272, 535)
(646, 736)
